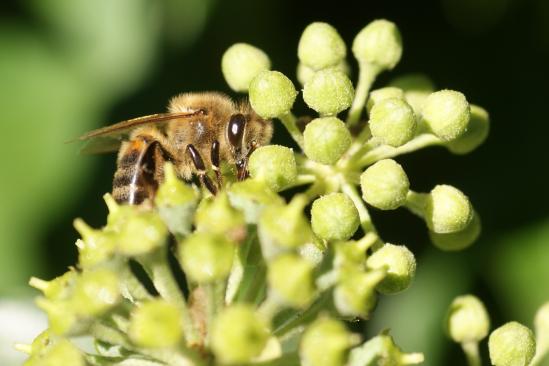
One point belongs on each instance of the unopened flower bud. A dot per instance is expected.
(354, 295)
(329, 92)
(393, 121)
(155, 324)
(272, 94)
(416, 87)
(250, 196)
(477, 131)
(325, 343)
(467, 320)
(285, 225)
(241, 63)
(387, 92)
(382, 350)
(62, 352)
(175, 202)
(60, 288)
(141, 232)
(305, 73)
(378, 43)
(448, 210)
(385, 185)
(326, 140)
(400, 264)
(321, 46)
(206, 257)
(352, 253)
(275, 165)
(96, 292)
(290, 277)
(446, 113)
(238, 334)
(96, 246)
(458, 240)
(334, 217)
(216, 215)
(62, 319)
(512, 344)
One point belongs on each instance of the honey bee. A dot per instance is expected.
(197, 134)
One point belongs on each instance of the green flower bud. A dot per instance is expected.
(325, 343)
(206, 257)
(385, 185)
(448, 210)
(241, 63)
(272, 94)
(62, 319)
(326, 140)
(476, 133)
(251, 196)
(416, 87)
(60, 288)
(446, 113)
(321, 46)
(216, 215)
(63, 352)
(96, 292)
(176, 202)
(382, 350)
(512, 344)
(96, 247)
(305, 73)
(458, 240)
(378, 43)
(354, 294)
(467, 320)
(42, 342)
(141, 232)
(329, 92)
(285, 225)
(378, 95)
(290, 277)
(541, 324)
(352, 253)
(155, 324)
(238, 334)
(393, 121)
(275, 165)
(400, 264)
(334, 217)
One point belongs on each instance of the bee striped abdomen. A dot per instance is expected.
(134, 180)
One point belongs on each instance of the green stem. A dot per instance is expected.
(215, 299)
(299, 317)
(365, 219)
(289, 121)
(132, 288)
(269, 307)
(472, 353)
(386, 151)
(110, 335)
(366, 76)
(416, 202)
(157, 267)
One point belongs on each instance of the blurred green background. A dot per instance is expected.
(68, 66)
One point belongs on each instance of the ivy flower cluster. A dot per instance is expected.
(256, 275)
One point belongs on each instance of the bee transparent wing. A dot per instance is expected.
(108, 139)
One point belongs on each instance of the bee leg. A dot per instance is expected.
(201, 169)
(215, 163)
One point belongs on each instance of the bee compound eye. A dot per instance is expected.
(235, 130)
